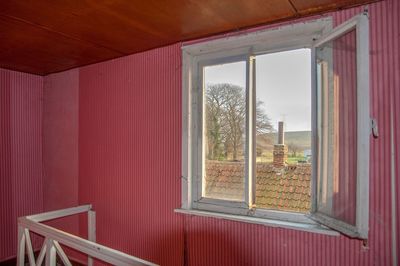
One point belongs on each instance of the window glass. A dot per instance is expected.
(224, 131)
(337, 87)
(283, 130)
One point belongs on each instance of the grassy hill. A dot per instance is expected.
(302, 139)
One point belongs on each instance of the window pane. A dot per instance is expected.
(337, 74)
(283, 130)
(224, 134)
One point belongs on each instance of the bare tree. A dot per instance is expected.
(225, 120)
(234, 118)
(215, 101)
(263, 123)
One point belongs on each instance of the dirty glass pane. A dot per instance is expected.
(224, 134)
(337, 87)
(283, 130)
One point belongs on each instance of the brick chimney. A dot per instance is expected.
(280, 149)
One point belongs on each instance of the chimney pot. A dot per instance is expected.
(281, 134)
(280, 149)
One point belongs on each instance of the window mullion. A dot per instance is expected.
(250, 184)
(315, 118)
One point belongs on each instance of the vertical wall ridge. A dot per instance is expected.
(21, 153)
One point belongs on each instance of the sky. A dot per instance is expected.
(283, 83)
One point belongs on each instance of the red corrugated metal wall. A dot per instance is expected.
(20, 153)
(130, 166)
(60, 144)
(60, 147)
(395, 96)
(384, 35)
(394, 68)
(39, 150)
(129, 152)
(391, 80)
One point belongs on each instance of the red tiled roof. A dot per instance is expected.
(224, 180)
(287, 188)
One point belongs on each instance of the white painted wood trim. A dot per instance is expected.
(250, 181)
(95, 250)
(186, 175)
(393, 189)
(50, 253)
(314, 131)
(31, 255)
(363, 125)
(91, 231)
(313, 228)
(284, 37)
(336, 224)
(55, 237)
(338, 31)
(21, 246)
(41, 255)
(62, 254)
(45, 216)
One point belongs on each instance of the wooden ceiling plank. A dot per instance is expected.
(240, 14)
(309, 7)
(50, 36)
(61, 33)
(46, 50)
(94, 21)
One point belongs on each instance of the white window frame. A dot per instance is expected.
(289, 37)
(358, 23)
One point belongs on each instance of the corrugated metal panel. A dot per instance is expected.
(60, 147)
(384, 17)
(20, 153)
(5, 167)
(130, 160)
(60, 140)
(129, 152)
(392, 35)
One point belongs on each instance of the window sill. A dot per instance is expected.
(314, 228)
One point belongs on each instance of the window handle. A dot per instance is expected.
(374, 128)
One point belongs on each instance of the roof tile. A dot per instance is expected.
(284, 189)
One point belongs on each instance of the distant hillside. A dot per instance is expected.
(300, 138)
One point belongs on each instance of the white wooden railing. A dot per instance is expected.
(54, 237)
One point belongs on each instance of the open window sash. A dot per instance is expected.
(202, 200)
(342, 128)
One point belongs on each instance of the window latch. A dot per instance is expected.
(374, 128)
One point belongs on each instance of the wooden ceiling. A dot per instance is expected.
(47, 36)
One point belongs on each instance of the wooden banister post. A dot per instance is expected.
(21, 246)
(91, 231)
